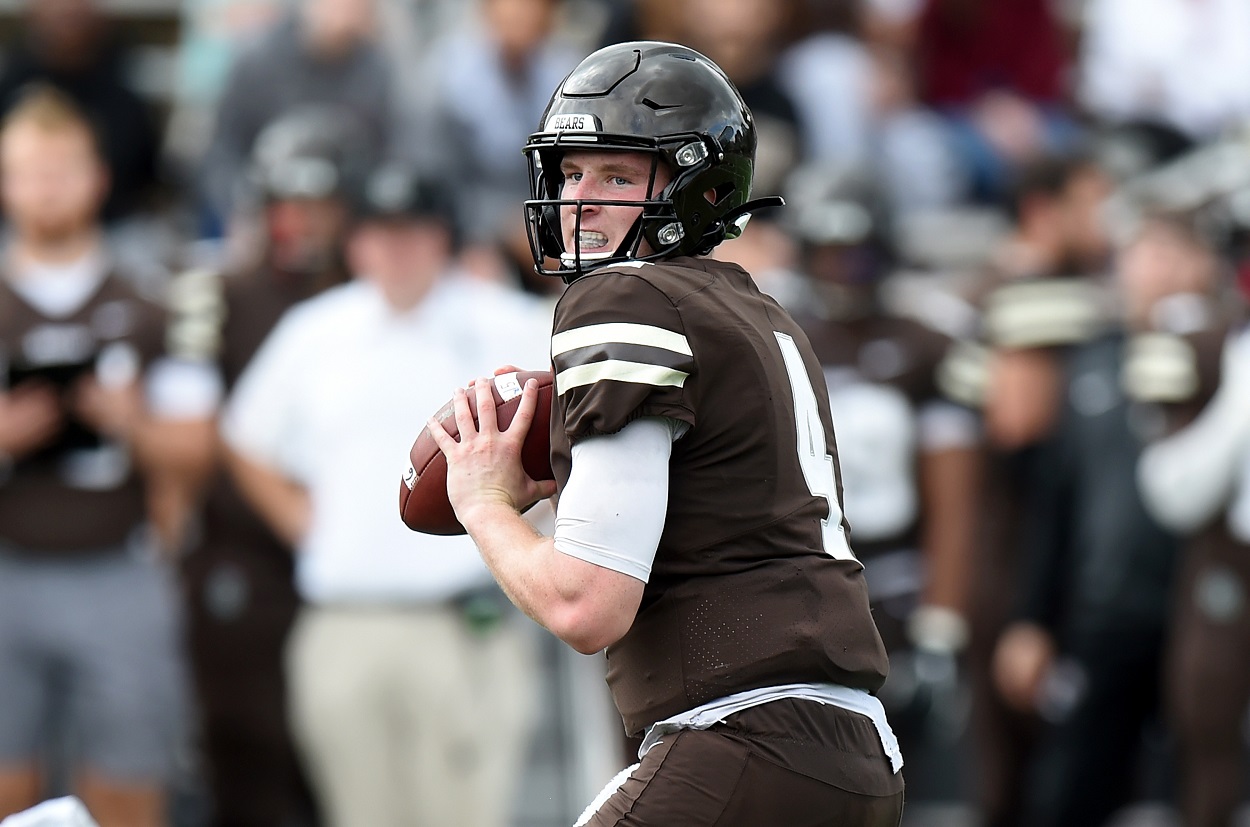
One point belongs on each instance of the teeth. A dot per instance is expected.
(590, 240)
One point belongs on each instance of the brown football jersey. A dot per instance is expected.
(754, 583)
(80, 492)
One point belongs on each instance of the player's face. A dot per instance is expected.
(305, 234)
(616, 176)
(1162, 261)
(53, 181)
(402, 258)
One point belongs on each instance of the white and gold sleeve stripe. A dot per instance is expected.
(620, 352)
(616, 370)
(619, 333)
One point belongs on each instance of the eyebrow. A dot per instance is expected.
(612, 167)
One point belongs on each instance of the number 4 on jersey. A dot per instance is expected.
(814, 457)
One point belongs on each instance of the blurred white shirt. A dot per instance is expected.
(335, 398)
(1181, 61)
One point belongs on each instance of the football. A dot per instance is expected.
(423, 502)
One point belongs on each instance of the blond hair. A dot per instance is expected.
(51, 111)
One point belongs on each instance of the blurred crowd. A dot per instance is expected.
(1017, 233)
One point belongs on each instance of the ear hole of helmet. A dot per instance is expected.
(721, 192)
(701, 202)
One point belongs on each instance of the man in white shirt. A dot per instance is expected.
(411, 683)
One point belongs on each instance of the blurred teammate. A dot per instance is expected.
(1196, 481)
(1085, 652)
(89, 632)
(699, 535)
(909, 457)
(74, 46)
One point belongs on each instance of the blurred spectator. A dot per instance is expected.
(996, 69)
(1060, 229)
(744, 38)
(411, 680)
(71, 45)
(210, 35)
(324, 53)
(857, 103)
(90, 412)
(241, 598)
(489, 83)
(1197, 482)
(1181, 64)
(640, 20)
(1085, 653)
(908, 458)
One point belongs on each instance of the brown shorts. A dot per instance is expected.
(789, 762)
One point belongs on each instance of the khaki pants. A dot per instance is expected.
(410, 717)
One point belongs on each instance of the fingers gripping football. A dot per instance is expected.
(489, 444)
(484, 466)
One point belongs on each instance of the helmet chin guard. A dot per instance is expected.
(655, 98)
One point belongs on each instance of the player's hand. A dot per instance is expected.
(30, 418)
(1022, 659)
(498, 372)
(115, 411)
(484, 467)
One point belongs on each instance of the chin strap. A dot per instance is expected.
(736, 220)
(753, 205)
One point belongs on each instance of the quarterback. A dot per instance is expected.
(699, 535)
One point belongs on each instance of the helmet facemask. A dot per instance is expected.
(671, 222)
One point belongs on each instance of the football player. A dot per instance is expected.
(699, 536)
(909, 457)
(1197, 483)
(91, 420)
(1084, 651)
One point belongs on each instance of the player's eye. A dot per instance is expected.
(621, 181)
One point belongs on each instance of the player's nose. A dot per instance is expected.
(584, 189)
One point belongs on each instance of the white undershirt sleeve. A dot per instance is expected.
(184, 389)
(611, 512)
(1187, 478)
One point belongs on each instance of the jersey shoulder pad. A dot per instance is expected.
(620, 351)
(196, 303)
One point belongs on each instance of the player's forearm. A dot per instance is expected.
(184, 449)
(950, 480)
(567, 596)
(283, 504)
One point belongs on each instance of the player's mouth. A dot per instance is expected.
(589, 241)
